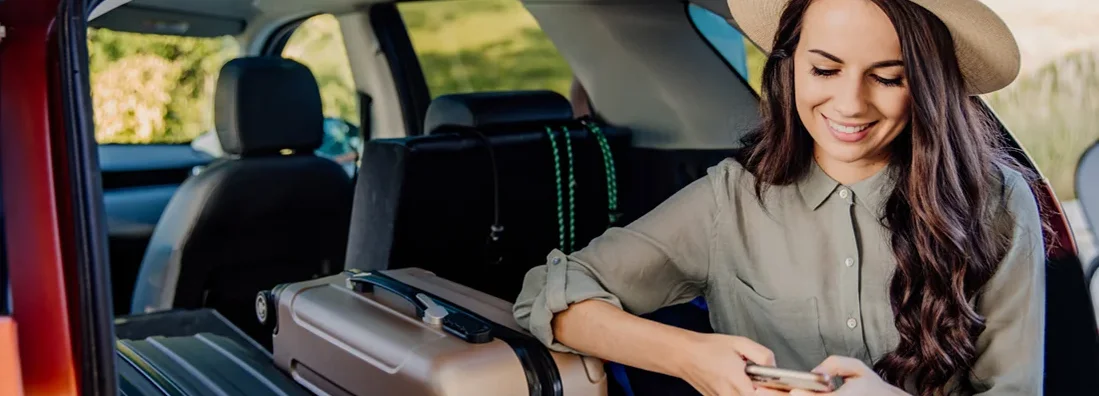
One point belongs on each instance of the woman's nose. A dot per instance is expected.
(850, 101)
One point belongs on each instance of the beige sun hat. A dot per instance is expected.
(986, 49)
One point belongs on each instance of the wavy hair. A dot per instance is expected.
(942, 211)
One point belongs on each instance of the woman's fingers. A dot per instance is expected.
(743, 385)
(800, 392)
(754, 352)
(843, 367)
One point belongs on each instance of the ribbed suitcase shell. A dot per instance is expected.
(338, 341)
(202, 364)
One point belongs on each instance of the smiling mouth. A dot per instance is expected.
(848, 129)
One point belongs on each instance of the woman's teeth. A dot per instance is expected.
(847, 129)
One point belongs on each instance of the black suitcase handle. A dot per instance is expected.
(543, 378)
(457, 321)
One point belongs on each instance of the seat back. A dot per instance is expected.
(431, 201)
(1087, 194)
(270, 213)
(1087, 183)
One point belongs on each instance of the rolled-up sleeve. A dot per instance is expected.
(661, 259)
(1012, 346)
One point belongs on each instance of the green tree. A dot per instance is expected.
(177, 76)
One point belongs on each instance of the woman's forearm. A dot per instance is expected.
(603, 330)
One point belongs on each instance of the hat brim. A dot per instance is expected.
(987, 52)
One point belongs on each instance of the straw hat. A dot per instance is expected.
(986, 49)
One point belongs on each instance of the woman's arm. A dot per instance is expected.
(1011, 349)
(711, 363)
(587, 302)
(661, 259)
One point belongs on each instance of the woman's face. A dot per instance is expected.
(849, 81)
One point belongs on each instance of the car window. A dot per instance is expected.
(482, 45)
(745, 58)
(318, 43)
(154, 89)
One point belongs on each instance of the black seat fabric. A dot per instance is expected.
(271, 213)
(428, 201)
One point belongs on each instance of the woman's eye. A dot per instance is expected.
(823, 72)
(889, 82)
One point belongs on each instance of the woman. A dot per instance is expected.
(872, 227)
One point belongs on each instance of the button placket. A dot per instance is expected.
(850, 306)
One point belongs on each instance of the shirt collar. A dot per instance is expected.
(816, 186)
(873, 191)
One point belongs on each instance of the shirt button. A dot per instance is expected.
(844, 193)
(849, 262)
(852, 323)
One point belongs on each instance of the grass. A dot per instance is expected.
(483, 45)
(1054, 114)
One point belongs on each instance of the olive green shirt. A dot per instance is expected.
(807, 276)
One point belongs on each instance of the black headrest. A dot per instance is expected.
(265, 104)
(484, 109)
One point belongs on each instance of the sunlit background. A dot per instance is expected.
(158, 89)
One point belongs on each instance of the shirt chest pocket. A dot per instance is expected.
(788, 326)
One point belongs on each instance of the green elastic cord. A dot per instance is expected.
(572, 191)
(612, 179)
(560, 197)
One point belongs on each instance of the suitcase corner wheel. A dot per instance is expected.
(267, 307)
(410, 332)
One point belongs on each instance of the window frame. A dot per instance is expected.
(743, 77)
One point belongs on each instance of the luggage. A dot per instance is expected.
(408, 332)
(201, 364)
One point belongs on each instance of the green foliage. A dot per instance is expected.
(483, 45)
(159, 89)
(434, 16)
(756, 60)
(152, 88)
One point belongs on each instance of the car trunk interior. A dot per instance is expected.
(645, 68)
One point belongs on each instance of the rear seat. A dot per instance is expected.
(428, 201)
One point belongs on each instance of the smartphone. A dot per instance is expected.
(783, 379)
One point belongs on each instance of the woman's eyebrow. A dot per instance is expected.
(876, 65)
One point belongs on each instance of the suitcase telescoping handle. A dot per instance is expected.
(434, 311)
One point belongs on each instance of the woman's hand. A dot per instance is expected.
(858, 379)
(714, 364)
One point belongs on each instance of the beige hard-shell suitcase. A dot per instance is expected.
(409, 332)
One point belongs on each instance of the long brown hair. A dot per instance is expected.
(945, 199)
